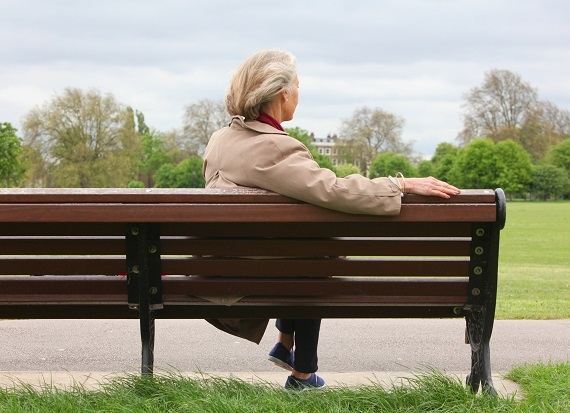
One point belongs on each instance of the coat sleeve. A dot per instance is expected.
(286, 166)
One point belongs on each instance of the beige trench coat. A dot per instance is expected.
(254, 154)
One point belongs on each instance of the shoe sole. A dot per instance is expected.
(280, 363)
(310, 388)
(305, 388)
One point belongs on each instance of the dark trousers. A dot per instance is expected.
(306, 335)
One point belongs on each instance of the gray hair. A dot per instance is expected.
(258, 80)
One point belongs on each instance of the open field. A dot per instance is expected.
(545, 389)
(534, 270)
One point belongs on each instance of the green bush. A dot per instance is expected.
(549, 181)
(390, 163)
(187, 174)
(346, 169)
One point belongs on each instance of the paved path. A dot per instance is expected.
(364, 347)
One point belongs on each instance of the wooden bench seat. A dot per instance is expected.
(117, 253)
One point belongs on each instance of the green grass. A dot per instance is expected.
(546, 389)
(534, 270)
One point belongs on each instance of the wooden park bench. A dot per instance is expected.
(62, 253)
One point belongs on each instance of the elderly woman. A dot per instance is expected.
(255, 151)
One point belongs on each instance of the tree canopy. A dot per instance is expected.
(186, 174)
(85, 139)
(560, 155)
(549, 181)
(507, 107)
(513, 167)
(200, 121)
(390, 163)
(346, 169)
(11, 166)
(373, 131)
(499, 106)
(475, 166)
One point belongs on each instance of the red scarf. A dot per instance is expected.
(265, 118)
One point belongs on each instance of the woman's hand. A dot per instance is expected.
(430, 186)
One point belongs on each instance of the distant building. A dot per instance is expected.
(327, 146)
(335, 149)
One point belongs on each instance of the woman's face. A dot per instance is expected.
(291, 100)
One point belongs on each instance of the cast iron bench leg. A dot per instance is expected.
(147, 338)
(144, 284)
(480, 352)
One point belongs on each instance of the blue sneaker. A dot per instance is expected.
(281, 356)
(313, 382)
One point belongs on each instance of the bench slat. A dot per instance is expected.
(319, 230)
(235, 213)
(179, 288)
(239, 267)
(314, 267)
(59, 246)
(239, 247)
(308, 247)
(114, 311)
(255, 229)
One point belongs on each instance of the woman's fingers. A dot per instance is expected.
(432, 187)
(446, 188)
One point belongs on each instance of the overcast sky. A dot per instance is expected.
(414, 58)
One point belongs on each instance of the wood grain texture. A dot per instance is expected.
(187, 213)
(238, 267)
(239, 247)
(110, 289)
(252, 310)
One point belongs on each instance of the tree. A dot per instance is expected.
(499, 107)
(506, 107)
(153, 156)
(556, 120)
(484, 164)
(475, 166)
(559, 155)
(11, 166)
(443, 160)
(389, 163)
(545, 126)
(142, 127)
(425, 168)
(306, 139)
(200, 121)
(85, 138)
(549, 181)
(153, 153)
(377, 130)
(186, 174)
(513, 166)
(346, 169)
(36, 167)
(355, 152)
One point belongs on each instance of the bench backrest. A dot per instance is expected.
(434, 259)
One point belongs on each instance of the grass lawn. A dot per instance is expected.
(534, 270)
(546, 389)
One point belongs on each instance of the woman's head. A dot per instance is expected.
(259, 80)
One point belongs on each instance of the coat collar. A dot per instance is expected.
(256, 126)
